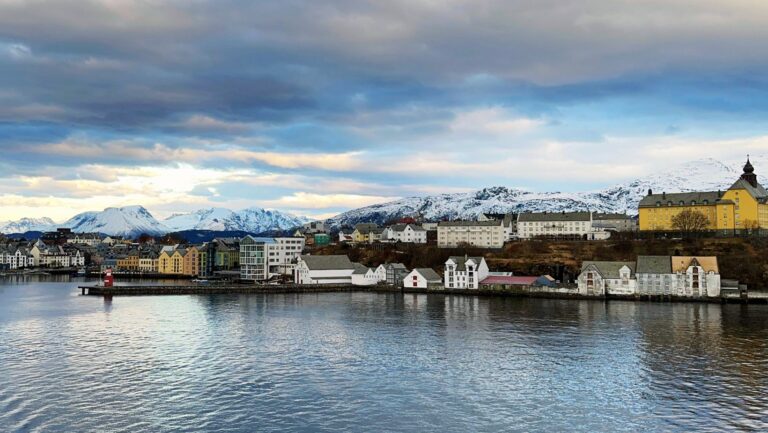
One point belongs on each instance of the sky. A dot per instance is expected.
(317, 107)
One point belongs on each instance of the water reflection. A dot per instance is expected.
(375, 362)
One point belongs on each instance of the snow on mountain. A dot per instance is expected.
(203, 219)
(27, 225)
(127, 221)
(254, 220)
(705, 174)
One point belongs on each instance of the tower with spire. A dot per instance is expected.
(749, 173)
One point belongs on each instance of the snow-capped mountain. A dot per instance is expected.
(254, 220)
(127, 221)
(705, 174)
(27, 225)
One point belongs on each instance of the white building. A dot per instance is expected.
(464, 272)
(381, 273)
(336, 269)
(254, 263)
(483, 234)
(508, 220)
(16, 257)
(282, 255)
(558, 224)
(411, 233)
(683, 276)
(92, 239)
(363, 276)
(422, 278)
(613, 278)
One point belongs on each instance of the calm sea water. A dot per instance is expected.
(375, 362)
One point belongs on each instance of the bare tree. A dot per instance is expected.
(690, 221)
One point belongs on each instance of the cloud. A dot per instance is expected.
(305, 200)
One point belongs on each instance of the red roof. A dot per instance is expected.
(503, 279)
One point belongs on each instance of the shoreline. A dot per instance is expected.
(231, 289)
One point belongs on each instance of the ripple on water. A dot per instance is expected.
(376, 362)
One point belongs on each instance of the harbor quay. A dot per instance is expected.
(559, 292)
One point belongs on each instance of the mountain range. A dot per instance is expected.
(700, 175)
(131, 221)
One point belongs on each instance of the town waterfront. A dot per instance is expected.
(374, 362)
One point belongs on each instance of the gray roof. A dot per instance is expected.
(756, 192)
(491, 223)
(428, 274)
(360, 269)
(366, 228)
(711, 197)
(553, 216)
(610, 216)
(395, 266)
(461, 260)
(609, 269)
(324, 263)
(654, 265)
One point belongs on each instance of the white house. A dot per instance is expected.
(381, 273)
(345, 235)
(464, 272)
(422, 278)
(92, 239)
(363, 276)
(336, 269)
(602, 278)
(405, 233)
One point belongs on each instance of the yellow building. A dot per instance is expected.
(171, 262)
(742, 206)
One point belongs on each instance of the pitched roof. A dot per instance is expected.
(609, 269)
(395, 266)
(402, 227)
(324, 263)
(654, 265)
(360, 269)
(553, 216)
(462, 260)
(428, 274)
(756, 192)
(681, 263)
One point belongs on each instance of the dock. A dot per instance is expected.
(209, 289)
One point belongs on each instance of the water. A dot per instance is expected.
(375, 362)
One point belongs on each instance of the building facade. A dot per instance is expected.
(254, 262)
(464, 272)
(312, 270)
(612, 278)
(558, 225)
(743, 206)
(483, 234)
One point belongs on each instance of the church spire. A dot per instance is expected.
(749, 173)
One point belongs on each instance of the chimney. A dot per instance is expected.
(664, 195)
(650, 191)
